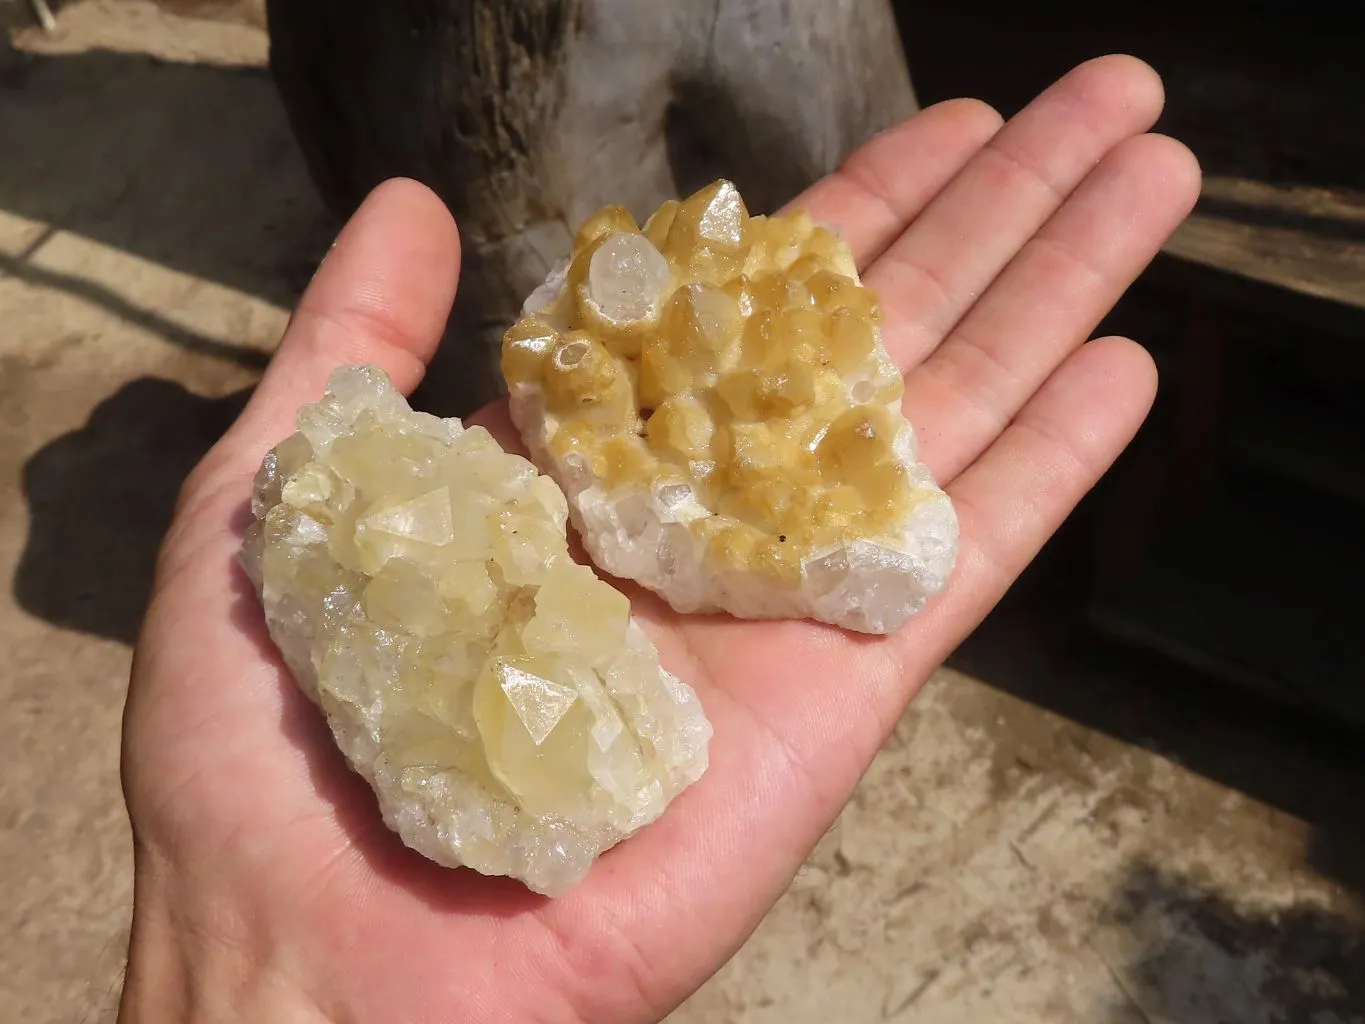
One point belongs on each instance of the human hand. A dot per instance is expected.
(267, 887)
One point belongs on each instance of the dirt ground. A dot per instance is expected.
(1056, 833)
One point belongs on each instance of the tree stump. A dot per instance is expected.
(527, 115)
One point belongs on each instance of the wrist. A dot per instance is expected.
(181, 973)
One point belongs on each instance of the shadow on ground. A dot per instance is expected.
(190, 166)
(100, 500)
(187, 165)
(1220, 965)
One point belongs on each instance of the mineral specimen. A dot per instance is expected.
(712, 393)
(506, 709)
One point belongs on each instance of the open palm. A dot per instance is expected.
(267, 886)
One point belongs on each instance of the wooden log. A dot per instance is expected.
(526, 115)
(243, 12)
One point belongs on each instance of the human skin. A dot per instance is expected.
(267, 887)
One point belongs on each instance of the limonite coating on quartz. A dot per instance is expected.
(506, 709)
(712, 393)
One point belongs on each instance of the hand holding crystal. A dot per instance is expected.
(268, 888)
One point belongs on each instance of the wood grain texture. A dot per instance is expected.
(526, 116)
(243, 12)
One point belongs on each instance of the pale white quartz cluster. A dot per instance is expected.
(506, 709)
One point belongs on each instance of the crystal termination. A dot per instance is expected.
(712, 393)
(507, 711)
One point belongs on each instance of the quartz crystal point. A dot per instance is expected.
(712, 393)
(508, 712)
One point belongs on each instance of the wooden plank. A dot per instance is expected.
(1310, 241)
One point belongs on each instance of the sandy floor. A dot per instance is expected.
(1053, 835)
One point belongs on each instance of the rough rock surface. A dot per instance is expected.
(712, 393)
(507, 711)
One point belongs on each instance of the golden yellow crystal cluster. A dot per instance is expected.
(507, 711)
(712, 392)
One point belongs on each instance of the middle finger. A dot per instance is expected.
(948, 256)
